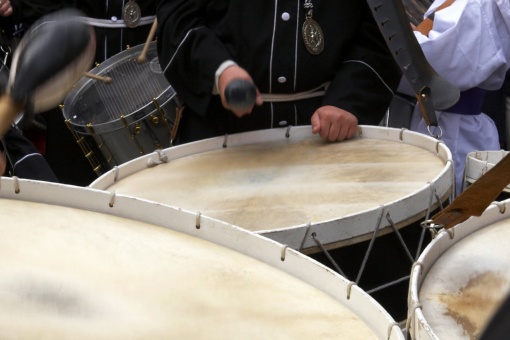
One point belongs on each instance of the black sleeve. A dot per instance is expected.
(368, 77)
(24, 160)
(189, 52)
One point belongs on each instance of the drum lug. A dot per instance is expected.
(138, 128)
(155, 120)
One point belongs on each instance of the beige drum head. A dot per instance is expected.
(68, 271)
(276, 184)
(461, 281)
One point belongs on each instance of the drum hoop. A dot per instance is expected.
(221, 233)
(84, 83)
(117, 124)
(496, 212)
(335, 230)
(479, 162)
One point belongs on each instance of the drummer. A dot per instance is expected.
(312, 62)
(115, 31)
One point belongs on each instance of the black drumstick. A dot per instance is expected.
(50, 58)
(240, 94)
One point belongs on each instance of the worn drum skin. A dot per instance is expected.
(84, 264)
(288, 183)
(462, 277)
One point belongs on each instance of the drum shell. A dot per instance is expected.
(91, 206)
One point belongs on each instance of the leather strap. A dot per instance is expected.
(477, 197)
(432, 91)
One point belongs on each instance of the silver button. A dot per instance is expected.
(114, 18)
(282, 80)
(283, 123)
(285, 16)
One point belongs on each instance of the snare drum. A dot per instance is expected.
(129, 117)
(288, 184)
(479, 162)
(462, 277)
(82, 263)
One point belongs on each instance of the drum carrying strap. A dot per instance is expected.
(432, 91)
(476, 198)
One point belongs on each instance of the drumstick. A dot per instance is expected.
(142, 57)
(42, 72)
(9, 109)
(240, 94)
(106, 80)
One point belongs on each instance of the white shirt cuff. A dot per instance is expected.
(226, 64)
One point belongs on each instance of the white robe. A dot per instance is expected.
(469, 45)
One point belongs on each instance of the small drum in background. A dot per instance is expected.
(82, 263)
(479, 162)
(461, 278)
(131, 115)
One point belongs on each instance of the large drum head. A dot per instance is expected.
(81, 263)
(276, 185)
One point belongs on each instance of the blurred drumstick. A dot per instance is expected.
(9, 109)
(42, 72)
(106, 80)
(240, 94)
(142, 57)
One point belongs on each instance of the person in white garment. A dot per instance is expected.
(468, 43)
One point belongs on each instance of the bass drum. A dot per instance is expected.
(462, 277)
(82, 263)
(289, 183)
(361, 198)
(124, 110)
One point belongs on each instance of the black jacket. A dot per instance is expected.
(264, 37)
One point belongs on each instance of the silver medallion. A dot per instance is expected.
(132, 14)
(313, 36)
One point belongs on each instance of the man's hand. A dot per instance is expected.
(229, 74)
(333, 123)
(5, 8)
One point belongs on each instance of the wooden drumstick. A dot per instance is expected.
(143, 56)
(106, 80)
(9, 109)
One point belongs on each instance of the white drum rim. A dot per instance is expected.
(336, 230)
(418, 326)
(479, 162)
(261, 248)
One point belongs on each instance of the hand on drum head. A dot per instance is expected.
(333, 123)
(234, 73)
(5, 8)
